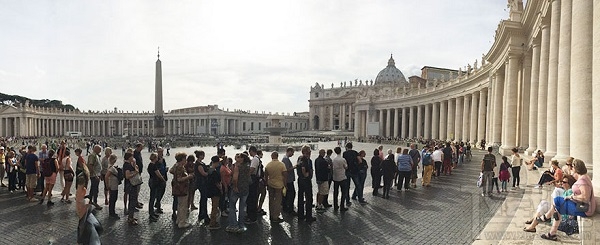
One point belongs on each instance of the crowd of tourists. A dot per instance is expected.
(237, 186)
(572, 194)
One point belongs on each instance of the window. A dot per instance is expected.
(251, 126)
(259, 126)
(244, 126)
(316, 95)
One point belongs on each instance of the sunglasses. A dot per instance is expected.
(565, 182)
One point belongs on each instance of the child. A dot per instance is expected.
(495, 179)
(504, 174)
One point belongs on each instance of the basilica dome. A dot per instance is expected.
(390, 74)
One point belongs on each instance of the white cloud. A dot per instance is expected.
(251, 55)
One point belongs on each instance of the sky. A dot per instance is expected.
(261, 55)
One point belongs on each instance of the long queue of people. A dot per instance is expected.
(236, 187)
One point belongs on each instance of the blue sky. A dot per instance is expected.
(249, 55)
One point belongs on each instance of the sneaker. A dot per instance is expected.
(231, 229)
(158, 211)
(343, 209)
(114, 216)
(537, 187)
(241, 230)
(68, 201)
(249, 221)
(278, 220)
(224, 214)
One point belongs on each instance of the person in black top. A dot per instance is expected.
(447, 162)
(137, 155)
(322, 177)
(304, 170)
(351, 157)
(156, 178)
(376, 172)
(161, 165)
(415, 155)
(388, 169)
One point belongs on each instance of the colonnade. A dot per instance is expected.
(460, 118)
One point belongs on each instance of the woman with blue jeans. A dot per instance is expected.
(582, 193)
(239, 193)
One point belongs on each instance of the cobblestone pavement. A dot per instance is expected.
(452, 211)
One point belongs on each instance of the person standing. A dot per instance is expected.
(388, 169)
(416, 159)
(487, 168)
(351, 157)
(362, 175)
(3, 167)
(154, 181)
(95, 167)
(290, 190)
(339, 166)
(329, 177)
(201, 172)
(304, 170)
(181, 177)
(161, 165)
(105, 163)
(112, 182)
(376, 171)
(42, 155)
(137, 155)
(427, 162)
(50, 172)
(275, 178)
(214, 191)
(322, 177)
(12, 166)
(32, 171)
(515, 164)
(405, 166)
(240, 188)
(437, 157)
(447, 159)
(252, 201)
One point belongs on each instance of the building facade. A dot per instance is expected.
(537, 88)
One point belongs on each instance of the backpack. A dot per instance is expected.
(120, 176)
(426, 159)
(48, 167)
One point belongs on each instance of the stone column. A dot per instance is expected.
(331, 119)
(404, 125)
(543, 89)
(466, 122)
(458, 119)
(411, 123)
(427, 126)
(443, 120)
(388, 122)
(357, 127)
(563, 84)
(552, 80)
(419, 121)
(509, 115)
(524, 101)
(473, 117)
(533, 98)
(396, 119)
(342, 117)
(596, 103)
(581, 82)
(481, 118)
(350, 116)
(497, 108)
(381, 129)
(435, 122)
(451, 134)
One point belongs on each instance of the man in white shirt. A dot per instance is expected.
(339, 167)
(437, 157)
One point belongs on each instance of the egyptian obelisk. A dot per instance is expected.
(159, 126)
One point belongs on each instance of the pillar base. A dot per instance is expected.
(561, 158)
(530, 150)
(506, 150)
(548, 155)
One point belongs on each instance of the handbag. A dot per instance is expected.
(179, 189)
(136, 180)
(569, 225)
